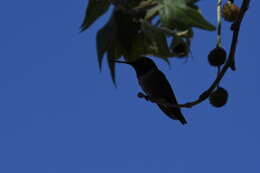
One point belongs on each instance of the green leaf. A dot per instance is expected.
(153, 12)
(112, 67)
(127, 29)
(183, 14)
(158, 40)
(114, 52)
(103, 39)
(95, 9)
(107, 43)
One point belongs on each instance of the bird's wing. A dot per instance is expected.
(169, 97)
(165, 86)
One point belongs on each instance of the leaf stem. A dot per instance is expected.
(219, 44)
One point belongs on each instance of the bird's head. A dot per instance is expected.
(141, 65)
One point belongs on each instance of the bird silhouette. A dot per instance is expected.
(156, 87)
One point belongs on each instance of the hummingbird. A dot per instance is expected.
(156, 87)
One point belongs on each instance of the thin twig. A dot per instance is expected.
(236, 28)
(160, 102)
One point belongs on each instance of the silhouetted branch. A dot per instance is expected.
(229, 63)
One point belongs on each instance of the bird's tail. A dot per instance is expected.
(182, 119)
(173, 113)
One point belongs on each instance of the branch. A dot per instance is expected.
(230, 61)
(235, 27)
(158, 101)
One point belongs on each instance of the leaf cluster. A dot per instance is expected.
(160, 28)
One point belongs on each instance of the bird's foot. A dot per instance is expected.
(146, 97)
(142, 95)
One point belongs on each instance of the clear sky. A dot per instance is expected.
(59, 114)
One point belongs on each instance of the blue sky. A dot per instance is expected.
(59, 114)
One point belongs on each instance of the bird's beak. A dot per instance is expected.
(122, 62)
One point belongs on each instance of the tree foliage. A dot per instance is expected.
(163, 29)
(144, 27)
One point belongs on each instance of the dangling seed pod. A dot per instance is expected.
(230, 12)
(219, 97)
(180, 47)
(217, 57)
